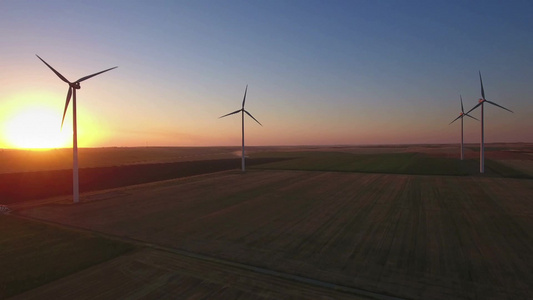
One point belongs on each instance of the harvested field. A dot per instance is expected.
(419, 237)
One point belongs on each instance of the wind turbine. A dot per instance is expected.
(461, 116)
(72, 87)
(243, 111)
(480, 103)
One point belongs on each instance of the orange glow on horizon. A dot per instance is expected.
(38, 127)
(34, 128)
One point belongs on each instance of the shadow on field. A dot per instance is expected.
(16, 187)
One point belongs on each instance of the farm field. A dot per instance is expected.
(129, 166)
(422, 160)
(157, 274)
(407, 236)
(34, 253)
(15, 161)
(17, 187)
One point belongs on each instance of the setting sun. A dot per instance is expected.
(36, 128)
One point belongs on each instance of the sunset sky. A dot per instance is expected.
(319, 72)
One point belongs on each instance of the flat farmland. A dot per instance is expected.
(33, 253)
(408, 236)
(155, 274)
(18, 187)
(14, 161)
(422, 163)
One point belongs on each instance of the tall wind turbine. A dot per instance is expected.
(461, 116)
(482, 100)
(243, 111)
(72, 87)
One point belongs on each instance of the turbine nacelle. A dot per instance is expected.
(72, 85)
(462, 114)
(244, 111)
(481, 100)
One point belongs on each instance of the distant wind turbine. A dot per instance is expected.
(461, 116)
(243, 111)
(482, 147)
(72, 87)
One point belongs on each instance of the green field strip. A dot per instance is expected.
(391, 163)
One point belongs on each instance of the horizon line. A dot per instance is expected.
(278, 145)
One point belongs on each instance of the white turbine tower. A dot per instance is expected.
(243, 111)
(461, 116)
(72, 87)
(482, 147)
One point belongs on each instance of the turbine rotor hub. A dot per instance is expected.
(75, 85)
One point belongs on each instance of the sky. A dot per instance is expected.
(318, 72)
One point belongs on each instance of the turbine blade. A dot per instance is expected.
(481, 81)
(57, 73)
(499, 106)
(244, 99)
(455, 120)
(470, 117)
(253, 117)
(232, 113)
(462, 109)
(466, 113)
(92, 75)
(69, 94)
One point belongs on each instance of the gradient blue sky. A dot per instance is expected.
(319, 72)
